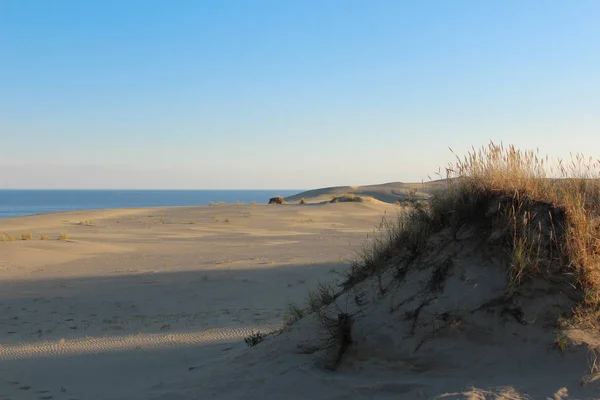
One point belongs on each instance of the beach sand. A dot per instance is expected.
(139, 297)
(156, 304)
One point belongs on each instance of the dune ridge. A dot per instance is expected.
(387, 192)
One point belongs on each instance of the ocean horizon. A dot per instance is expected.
(20, 202)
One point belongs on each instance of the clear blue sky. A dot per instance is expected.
(286, 94)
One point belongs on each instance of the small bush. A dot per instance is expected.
(64, 236)
(43, 236)
(254, 338)
(302, 201)
(26, 236)
(277, 200)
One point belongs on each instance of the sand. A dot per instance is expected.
(156, 303)
(140, 297)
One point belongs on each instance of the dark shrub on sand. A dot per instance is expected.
(277, 200)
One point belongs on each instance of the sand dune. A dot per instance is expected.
(387, 192)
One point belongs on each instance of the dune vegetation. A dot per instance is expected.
(530, 228)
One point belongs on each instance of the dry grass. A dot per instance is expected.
(408, 233)
(43, 236)
(571, 193)
(7, 237)
(548, 217)
(302, 201)
(64, 236)
(323, 295)
(26, 236)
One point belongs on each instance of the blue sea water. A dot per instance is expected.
(15, 203)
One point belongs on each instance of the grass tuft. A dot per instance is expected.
(64, 236)
(294, 314)
(323, 295)
(6, 237)
(26, 236)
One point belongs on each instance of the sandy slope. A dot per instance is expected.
(387, 192)
(148, 296)
(438, 327)
(155, 303)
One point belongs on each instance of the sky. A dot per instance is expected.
(251, 94)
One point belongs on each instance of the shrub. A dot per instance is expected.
(64, 236)
(302, 201)
(277, 200)
(26, 236)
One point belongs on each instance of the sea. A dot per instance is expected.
(14, 203)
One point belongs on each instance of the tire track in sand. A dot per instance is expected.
(142, 341)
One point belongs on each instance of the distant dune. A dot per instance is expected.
(386, 192)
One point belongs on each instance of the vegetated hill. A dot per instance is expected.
(387, 192)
